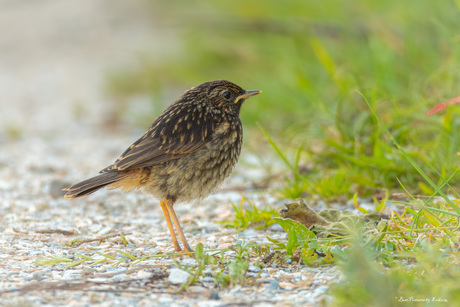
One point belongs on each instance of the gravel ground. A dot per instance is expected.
(52, 63)
(38, 222)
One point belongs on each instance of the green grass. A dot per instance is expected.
(252, 217)
(310, 58)
(430, 281)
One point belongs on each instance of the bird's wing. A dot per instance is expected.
(179, 131)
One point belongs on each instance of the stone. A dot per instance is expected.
(273, 285)
(189, 261)
(178, 276)
(253, 268)
(196, 289)
(214, 296)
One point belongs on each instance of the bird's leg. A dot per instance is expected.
(170, 226)
(169, 206)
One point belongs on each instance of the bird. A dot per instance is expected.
(187, 152)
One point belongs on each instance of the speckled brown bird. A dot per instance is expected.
(187, 151)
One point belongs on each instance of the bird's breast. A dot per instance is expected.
(198, 174)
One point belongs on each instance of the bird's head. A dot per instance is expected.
(221, 95)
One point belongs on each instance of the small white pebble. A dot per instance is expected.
(178, 276)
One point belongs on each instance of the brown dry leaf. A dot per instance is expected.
(299, 211)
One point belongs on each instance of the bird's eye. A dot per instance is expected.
(227, 95)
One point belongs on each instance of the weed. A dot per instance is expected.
(78, 259)
(432, 280)
(318, 58)
(252, 217)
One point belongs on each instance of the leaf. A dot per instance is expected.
(74, 263)
(52, 260)
(425, 189)
(280, 245)
(199, 254)
(107, 256)
(383, 202)
(298, 234)
(236, 270)
(98, 262)
(308, 256)
(338, 252)
(85, 257)
(292, 242)
(126, 254)
(285, 223)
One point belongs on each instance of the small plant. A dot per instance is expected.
(227, 271)
(298, 236)
(425, 234)
(84, 259)
(303, 245)
(253, 217)
(236, 268)
(431, 278)
(91, 261)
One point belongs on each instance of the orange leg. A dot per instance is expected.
(169, 206)
(170, 226)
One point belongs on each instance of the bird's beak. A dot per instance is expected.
(247, 95)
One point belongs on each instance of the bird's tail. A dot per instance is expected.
(91, 185)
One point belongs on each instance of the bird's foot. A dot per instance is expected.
(187, 251)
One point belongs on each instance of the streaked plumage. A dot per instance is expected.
(187, 151)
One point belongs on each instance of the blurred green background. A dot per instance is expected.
(310, 59)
